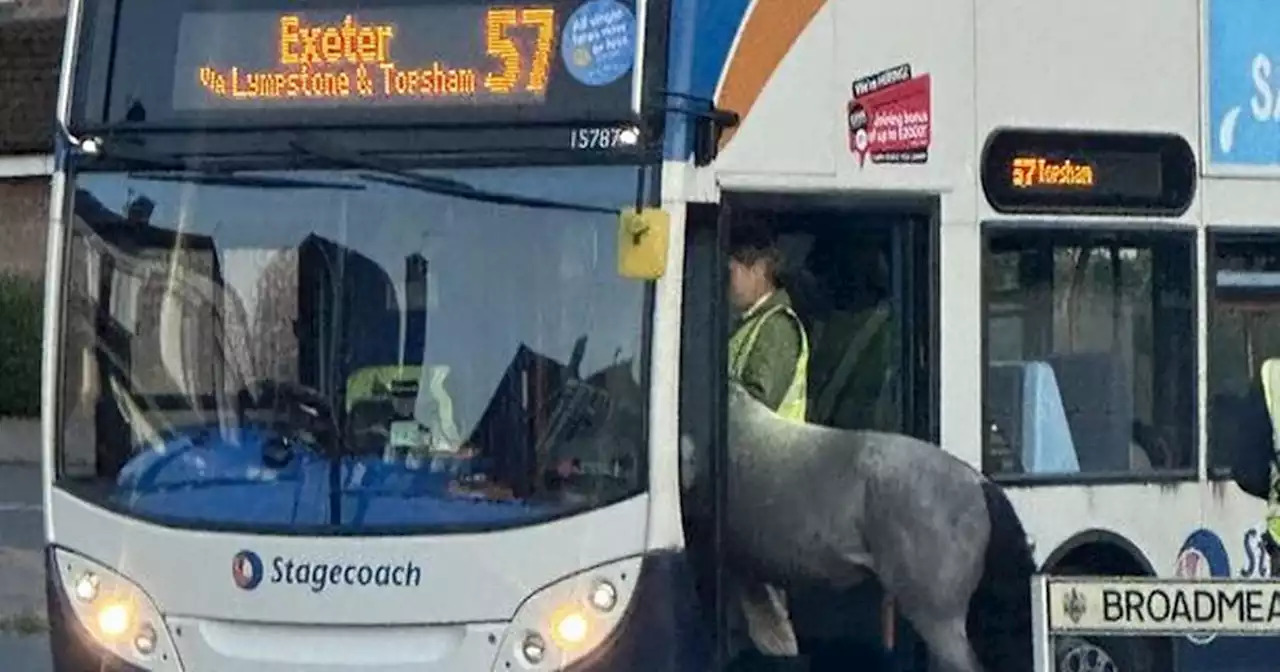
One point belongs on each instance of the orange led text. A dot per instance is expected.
(347, 41)
(1032, 172)
(351, 59)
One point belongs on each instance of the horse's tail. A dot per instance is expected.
(999, 618)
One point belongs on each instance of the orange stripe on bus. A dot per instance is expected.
(770, 31)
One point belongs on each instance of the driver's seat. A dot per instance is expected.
(368, 390)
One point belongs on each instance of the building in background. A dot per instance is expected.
(32, 9)
(31, 33)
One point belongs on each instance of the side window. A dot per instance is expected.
(1090, 362)
(1244, 332)
(861, 284)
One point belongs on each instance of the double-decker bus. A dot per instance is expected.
(374, 329)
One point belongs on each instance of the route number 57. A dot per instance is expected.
(500, 44)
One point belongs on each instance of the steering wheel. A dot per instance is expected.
(572, 483)
(299, 414)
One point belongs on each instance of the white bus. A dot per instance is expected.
(1067, 210)
(342, 372)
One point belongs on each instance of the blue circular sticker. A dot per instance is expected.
(599, 42)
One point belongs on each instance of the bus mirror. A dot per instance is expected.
(642, 243)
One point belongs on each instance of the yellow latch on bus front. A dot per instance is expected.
(642, 243)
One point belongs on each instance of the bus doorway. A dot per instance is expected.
(861, 279)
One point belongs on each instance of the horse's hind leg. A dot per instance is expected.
(949, 649)
(764, 608)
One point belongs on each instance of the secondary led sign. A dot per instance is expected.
(1088, 173)
(1031, 172)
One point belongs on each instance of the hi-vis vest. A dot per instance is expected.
(743, 341)
(1271, 391)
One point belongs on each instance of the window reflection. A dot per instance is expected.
(1090, 362)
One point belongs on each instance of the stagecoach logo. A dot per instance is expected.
(1075, 606)
(246, 570)
(1192, 564)
(1202, 556)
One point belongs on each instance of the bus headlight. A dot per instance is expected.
(534, 648)
(565, 621)
(114, 619)
(571, 629)
(145, 639)
(115, 613)
(604, 596)
(87, 587)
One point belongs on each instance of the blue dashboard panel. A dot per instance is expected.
(201, 475)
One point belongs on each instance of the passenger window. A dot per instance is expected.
(1244, 332)
(1090, 357)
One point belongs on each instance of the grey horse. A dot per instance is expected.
(814, 506)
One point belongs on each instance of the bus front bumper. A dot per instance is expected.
(660, 628)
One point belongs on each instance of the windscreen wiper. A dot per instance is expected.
(135, 154)
(230, 179)
(435, 185)
(167, 168)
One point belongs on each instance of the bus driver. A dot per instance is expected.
(768, 355)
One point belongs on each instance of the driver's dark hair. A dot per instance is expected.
(755, 243)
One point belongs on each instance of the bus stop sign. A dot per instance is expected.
(1122, 606)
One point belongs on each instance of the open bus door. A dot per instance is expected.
(862, 280)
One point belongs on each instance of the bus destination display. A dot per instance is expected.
(1098, 172)
(1037, 172)
(1087, 173)
(426, 54)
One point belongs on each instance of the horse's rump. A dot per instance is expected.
(999, 619)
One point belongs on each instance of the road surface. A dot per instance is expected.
(23, 646)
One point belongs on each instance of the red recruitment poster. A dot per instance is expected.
(890, 117)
